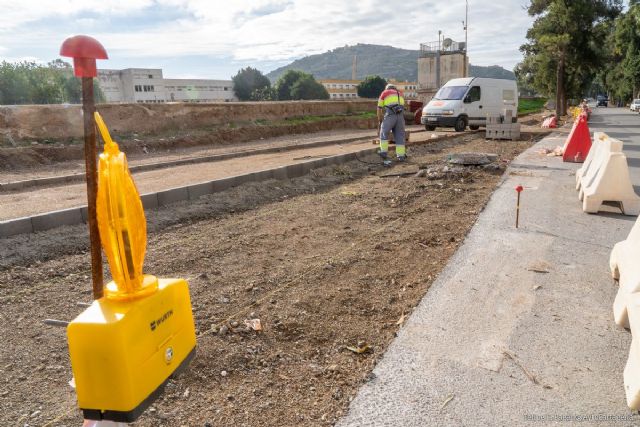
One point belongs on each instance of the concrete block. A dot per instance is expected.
(611, 183)
(16, 226)
(149, 200)
(172, 195)
(55, 219)
(198, 190)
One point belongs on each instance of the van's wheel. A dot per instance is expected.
(430, 128)
(474, 127)
(461, 124)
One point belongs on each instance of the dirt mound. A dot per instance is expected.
(63, 123)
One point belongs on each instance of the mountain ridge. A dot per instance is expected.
(385, 61)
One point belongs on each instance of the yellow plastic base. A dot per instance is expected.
(123, 352)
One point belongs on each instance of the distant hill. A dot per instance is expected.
(385, 61)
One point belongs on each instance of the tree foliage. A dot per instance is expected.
(563, 52)
(247, 81)
(620, 75)
(31, 83)
(298, 85)
(371, 87)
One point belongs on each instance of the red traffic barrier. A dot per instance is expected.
(578, 144)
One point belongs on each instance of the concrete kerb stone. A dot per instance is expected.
(16, 226)
(55, 219)
(57, 180)
(79, 215)
(198, 190)
(173, 195)
(149, 200)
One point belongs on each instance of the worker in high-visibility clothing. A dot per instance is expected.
(390, 114)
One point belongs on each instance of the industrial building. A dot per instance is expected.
(147, 85)
(440, 62)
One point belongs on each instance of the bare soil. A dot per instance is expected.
(332, 260)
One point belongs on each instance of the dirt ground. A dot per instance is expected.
(332, 260)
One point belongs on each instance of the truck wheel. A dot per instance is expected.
(430, 128)
(474, 127)
(461, 124)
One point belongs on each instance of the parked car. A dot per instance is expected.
(602, 101)
(467, 101)
(635, 105)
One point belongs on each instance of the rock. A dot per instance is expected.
(36, 414)
(224, 300)
(223, 330)
(234, 324)
(186, 393)
(421, 173)
(492, 167)
(224, 373)
(253, 315)
(471, 158)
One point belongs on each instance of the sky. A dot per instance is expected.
(214, 39)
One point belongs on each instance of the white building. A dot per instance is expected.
(348, 89)
(138, 85)
(341, 89)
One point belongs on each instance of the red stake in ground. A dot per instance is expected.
(519, 189)
(85, 50)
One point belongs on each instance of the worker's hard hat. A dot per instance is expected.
(390, 86)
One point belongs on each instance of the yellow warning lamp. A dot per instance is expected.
(126, 345)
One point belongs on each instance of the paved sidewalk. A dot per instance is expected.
(494, 343)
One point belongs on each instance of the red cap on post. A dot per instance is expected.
(84, 50)
(519, 188)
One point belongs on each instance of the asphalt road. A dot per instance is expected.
(622, 124)
(518, 329)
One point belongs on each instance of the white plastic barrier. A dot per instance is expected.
(602, 143)
(632, 369)
(607, 180)
(626, 269)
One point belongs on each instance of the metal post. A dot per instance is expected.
(438, 63)
(518, 211)
(466, 38)
(90, 157)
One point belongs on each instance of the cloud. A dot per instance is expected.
(258, 31)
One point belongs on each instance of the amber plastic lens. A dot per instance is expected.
(121, 222)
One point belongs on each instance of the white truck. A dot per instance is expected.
(467, 102)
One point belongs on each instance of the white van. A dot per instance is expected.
(467, 101)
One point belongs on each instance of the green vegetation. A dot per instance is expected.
(620, 75)
(385, 61)
(565, 46)
(298, 85)
(533, 105)
(371, 87)
(314, 119)
(249, 84)
(31, 83)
